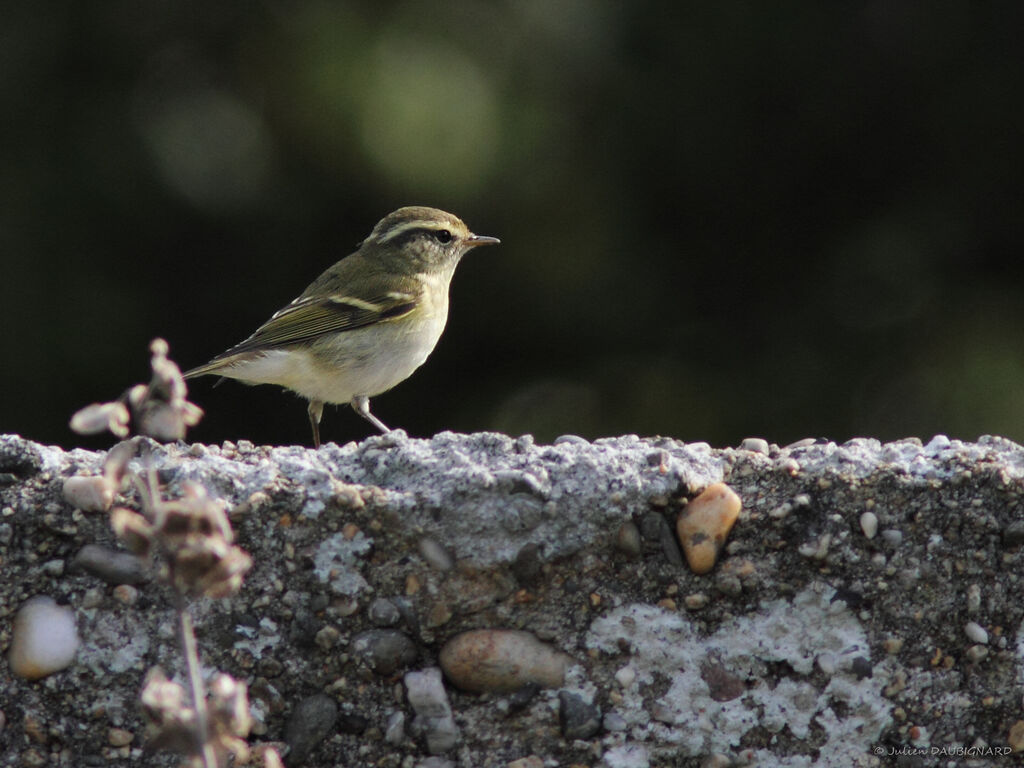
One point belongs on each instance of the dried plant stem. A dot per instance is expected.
(195, 680)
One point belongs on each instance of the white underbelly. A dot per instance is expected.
(353, 363)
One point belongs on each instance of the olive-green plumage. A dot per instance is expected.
(366, 323)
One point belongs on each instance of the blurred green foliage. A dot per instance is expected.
(718, 219)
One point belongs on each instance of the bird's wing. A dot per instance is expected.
(308, 318)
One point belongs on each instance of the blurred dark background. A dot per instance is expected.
(717, 219)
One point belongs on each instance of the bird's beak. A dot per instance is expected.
(474, 240)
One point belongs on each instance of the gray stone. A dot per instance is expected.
(1013, 534)
(384, 650)
(655, 527)
(433, 712)
(394, 732)
(311, 721)
(113, 566)
(383, 612)
(579, 720)
(527, 565)
(755, 445)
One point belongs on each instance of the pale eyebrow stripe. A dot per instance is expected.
(400, 229)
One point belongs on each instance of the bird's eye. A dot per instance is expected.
(443, 236)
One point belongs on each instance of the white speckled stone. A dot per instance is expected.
(976, 632)
(44, 639)
(869, 524)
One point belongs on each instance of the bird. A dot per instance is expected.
(365, 324)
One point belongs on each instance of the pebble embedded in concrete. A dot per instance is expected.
(976, 632)
(89, 494)
(973, 598)
(869, 524)
(435, 554)
(383, 612)
(627, 539)
(501, 660)
(429, 700)
(654, 527)
(1016, 736)
(625, 676)
(44, 639)
(384, 650)
(579, 719)
(119, 737)
(111, 565)
(394, 731)
(704, 524)
(755, 445)
(126, 594)
(530, 761)
(310, 723)
(695, 601)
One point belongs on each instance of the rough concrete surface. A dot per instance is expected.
(866, 609)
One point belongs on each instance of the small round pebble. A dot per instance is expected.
(384, 650)
(326, 638)
(501, 660)
(755, 445)
(695, 601)
(976, 632)
(570, 440)
(579, 719)
(119, 737)
(976, 653)
(522, 697)
(111, 565)
(613, 721)
(89, 494)
(44, 639)
(530, 761)
(383, 612)
(973, 598)
(704, 524)
(893, 536)
(654, 527)
(893, 645)
(1016, 736)
(528, 565)
(435, 762)
(394, 731)
(1013, 534)
(311, 722)
(435, 554)
(429, 700)
(625, 676)
(627, 539)
(869, 524)
(126, 594)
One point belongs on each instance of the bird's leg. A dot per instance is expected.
(361, 405)
(316, 410)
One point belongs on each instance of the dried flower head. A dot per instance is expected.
(101, 417)
(173, 720)
(160, 408)
(134, 530)
(197, 538)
